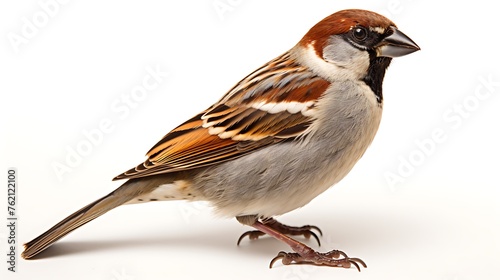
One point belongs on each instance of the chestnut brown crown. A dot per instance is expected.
(340, 23)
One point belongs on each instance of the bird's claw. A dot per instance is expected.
(252, 235)
(306, 231)
(331, 258)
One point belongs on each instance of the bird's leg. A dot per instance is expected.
(306, 231)
(303, 254)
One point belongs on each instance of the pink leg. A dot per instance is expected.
(306, 231)
(303, 254)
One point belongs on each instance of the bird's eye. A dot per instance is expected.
(359, 33)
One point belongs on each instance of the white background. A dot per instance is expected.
(439, 221)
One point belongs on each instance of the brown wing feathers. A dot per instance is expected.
(257, 112)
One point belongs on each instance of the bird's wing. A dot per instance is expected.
(274, 103)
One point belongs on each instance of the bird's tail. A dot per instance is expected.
(120, 196)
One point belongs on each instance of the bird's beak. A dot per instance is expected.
(397, 44)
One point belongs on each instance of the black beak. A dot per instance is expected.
(397, 44)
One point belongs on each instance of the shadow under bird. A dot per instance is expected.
(280, 137)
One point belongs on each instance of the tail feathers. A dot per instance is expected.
(122, 195)
(72, 222)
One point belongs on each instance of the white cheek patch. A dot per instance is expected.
(334, 66)
(352, 63)
(179, 190)
(340, 52)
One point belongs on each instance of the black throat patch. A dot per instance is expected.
(376, 72)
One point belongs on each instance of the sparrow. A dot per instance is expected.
(280, 137)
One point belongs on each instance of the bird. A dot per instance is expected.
(281, 136)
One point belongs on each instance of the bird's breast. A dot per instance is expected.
(287, 175)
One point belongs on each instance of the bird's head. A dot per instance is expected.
(355, 44)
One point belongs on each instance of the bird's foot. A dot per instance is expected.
(306, 231)
(303, 254)
(334, 258)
